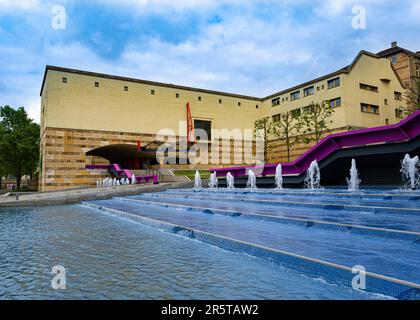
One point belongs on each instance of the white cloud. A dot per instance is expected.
(26, 5)
(228, 56)
(337, 8)
(244, 53)
(415, 9)
(33, 107)
(172, 5)
(333, 7)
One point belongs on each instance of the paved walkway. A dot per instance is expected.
(77, 195)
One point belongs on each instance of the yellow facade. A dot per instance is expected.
(78, 104)
(366, 69)
(82, 111)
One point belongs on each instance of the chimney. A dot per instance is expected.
(393, 44)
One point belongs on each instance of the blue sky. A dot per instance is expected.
(241, 46)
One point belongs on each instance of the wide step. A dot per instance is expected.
(383, 225)
(314, 248)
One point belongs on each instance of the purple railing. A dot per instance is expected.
(405, 130)
(115, 166)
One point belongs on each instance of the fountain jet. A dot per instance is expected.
(197, 180)
(230, 181)
(410, 172)
(279, 177)
(213, 183)
(313, 176)
(252, 180)
(353, 182)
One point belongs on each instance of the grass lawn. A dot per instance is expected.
(205, 174)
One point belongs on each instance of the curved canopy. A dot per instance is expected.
(116, 153)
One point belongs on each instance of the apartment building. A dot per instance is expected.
(405, 62)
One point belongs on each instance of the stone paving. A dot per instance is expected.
(77, 195)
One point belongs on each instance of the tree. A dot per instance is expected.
(19, 142)
(3, 170)
(264, 129)
(288, 127)
(411, 98)
(315, 120)
(3, 165)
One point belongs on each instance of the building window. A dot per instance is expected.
(125, 88)
(333, 83)
(64, 80)
(307, 109)
(239, 104)
(394, 59)
(220, 101)
(295, 95)
(257, 106)
(398, 95)
(199, 98)
(177, 95)
(317, 88)
(386, 121)
(386, 102)
(399, 113)
(203, 125)
(275, 102)
(369, 108)
(322, 87)
(296, 113)
(308, 91)
(276, 118)
(152, 92)
(368, 87)
(334, 103)
(96, 84)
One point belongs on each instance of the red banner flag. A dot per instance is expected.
(190, 126)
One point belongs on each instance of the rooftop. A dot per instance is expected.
(346, 69)
(396, 49)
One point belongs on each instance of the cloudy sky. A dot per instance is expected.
(241, 46)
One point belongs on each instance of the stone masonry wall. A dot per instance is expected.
(63, 156)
